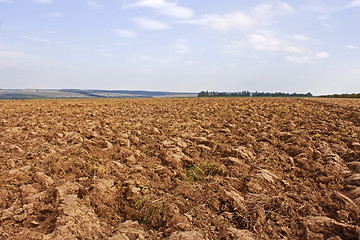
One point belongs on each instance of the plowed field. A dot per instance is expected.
(180, 169)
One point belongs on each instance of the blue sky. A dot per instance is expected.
(184, 45)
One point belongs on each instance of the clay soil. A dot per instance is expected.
(180, 169)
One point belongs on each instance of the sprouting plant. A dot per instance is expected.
(154, 209)
(140, 202)
(195, 174)
(148, 209)
(203, 201)
(202, 170)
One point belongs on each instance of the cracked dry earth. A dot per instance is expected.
(231, 168)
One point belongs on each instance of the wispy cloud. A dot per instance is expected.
(267, 41)
(299, 59)
(265, 12)
(355, 3)
(165, 8)
(271, 43)
(151, 24)
(94, 5)
(301, 38)
(181, 46)
(325, 11)
(41, 40)
(125, 33)
(322, 55)
(259, 15)
(307, 58)
(225, 22)
(283, 9)
(43, 1)
(353, 47)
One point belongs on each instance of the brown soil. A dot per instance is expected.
(180, 169)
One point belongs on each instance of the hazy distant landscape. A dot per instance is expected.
(78, 93)
(22, 94)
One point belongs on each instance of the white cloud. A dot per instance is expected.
(41, 40)
(151, 24)
(177, 12)
(226, 22)
(270, 43)
(232, 21)
(283, 8)
(43, 1)
(301, 38)
(266, 41)
(324, 11)
(94, 5)
(352, 47)
(165, 8)
(181, 46)
(125, 33)
(322, 55)
(307, 58)
(327, 9)
(259, 15)
(151, 3)
(264, 12)
(355, 3)
(300, 60)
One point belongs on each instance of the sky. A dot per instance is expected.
(184, 45)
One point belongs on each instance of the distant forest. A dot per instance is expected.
(254, 94)
(351, 95)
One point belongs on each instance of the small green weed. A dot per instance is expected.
(203, 201)
(148, 209)
(140, 202)
(153, 210)
(202, 170)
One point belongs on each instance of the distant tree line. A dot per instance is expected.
(346, 95)
(254, 94)
(224, 94)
